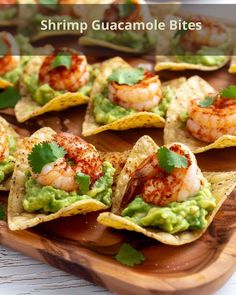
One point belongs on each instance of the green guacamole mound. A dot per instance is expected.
(13, 76)
(43, 93)
(48, 199)
(175, 217)
(106, 112)
(126, 38)
(7, 165)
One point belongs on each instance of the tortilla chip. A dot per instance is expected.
(5, 185)
(137, 120)
(27, 108)
(175, 130)
(4, 83)
(222, 184)
(232, 67)
(170, 63)
(18, 218)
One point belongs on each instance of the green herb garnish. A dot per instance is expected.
(229, 92)
(9, 97)
(50, 4)
(128, 76)
(169, 160)
(129, 256)
(126, 8)
(84, 182)
(2, 213)
(62, 61)
(44, 153)
(206, 102)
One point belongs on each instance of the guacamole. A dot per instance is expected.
(207, 56)
(42, 94)
(125, 38)
(48, 199)
(175, 217)
(7, 165)
(8, 13)
(106, 112)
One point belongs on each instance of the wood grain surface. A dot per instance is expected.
(80, 246)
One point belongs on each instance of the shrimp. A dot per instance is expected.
(159, 187)
(11, 58)
(62, 78)
(210, 123)
(4, 147)
(61, 174)
(142, 96)
(212, 34)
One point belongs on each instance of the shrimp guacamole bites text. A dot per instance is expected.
(107, 30)
(202, 118)
(8, 142)
(123, 97)
(58, 81)
(162, 194)
(57, 175)
(207, 49)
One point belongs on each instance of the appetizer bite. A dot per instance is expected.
(12, 62)
(8, 12)
(55, 82)
(8, 142)
(202, 118)
(124, 97)
(108, 32)
(205, 49)
(57, 175)
(162, 193)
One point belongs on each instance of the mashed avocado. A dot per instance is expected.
(44, 93)
(175, 217)
(125, 38)
(106, 112)
(7, 165)
(48, 199)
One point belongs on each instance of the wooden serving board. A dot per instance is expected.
(80, 246)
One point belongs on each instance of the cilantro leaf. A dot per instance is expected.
(127, 76)
(83, 181)
(169, 160)
(62, 61)
(9, 97)
(129, 256)
(2, 213)
(3, 47)
(44, 153)
(126, 8)
(206, 102)
(49, 4)
(229, 92)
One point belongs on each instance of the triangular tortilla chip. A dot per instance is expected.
(18, 218)
(27, 108)
(222, 184)
(4, 83)
(5, 185)
(232, 67)
(194, 87)
(137, 120)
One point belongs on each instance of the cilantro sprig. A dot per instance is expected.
(9, 97)
(44, 153)
(129, 256)
(126, 8)
(169, 160)
(229, 92)
(128, 76)
(62, 60)
(206, 102)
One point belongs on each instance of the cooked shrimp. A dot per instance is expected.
(212, 34)
(62, 78)
(4, 147)
(142, 96)
(11, 59)
(61, 174)
(209, 123)
(159, 187)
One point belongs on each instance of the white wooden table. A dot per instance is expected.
(22, 275)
